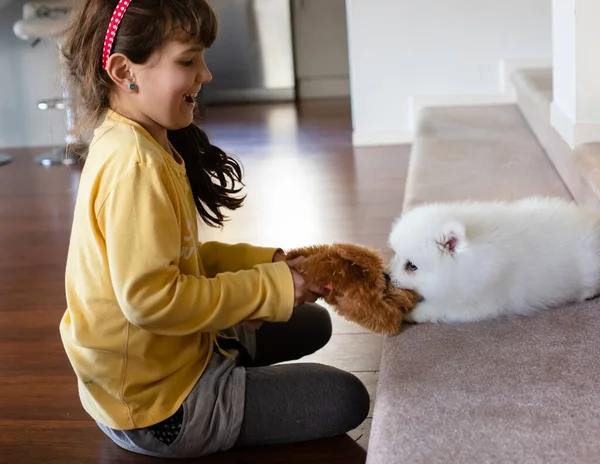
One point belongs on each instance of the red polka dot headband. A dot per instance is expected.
(111, 32)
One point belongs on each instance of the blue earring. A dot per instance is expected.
(132, 86)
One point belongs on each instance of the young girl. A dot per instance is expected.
(156, 322)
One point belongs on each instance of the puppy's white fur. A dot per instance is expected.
(481, 260)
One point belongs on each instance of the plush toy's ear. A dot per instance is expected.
(359, 256)
(453, 237)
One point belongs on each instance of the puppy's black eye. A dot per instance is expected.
(410, 267)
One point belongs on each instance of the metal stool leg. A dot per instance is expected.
(59, 155)
(55, 157)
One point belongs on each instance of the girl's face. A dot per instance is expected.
(167, 86)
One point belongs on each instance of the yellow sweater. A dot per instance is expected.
(146, 299)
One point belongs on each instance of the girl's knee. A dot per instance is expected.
(320, 322)
(348, 396)
(357, 398)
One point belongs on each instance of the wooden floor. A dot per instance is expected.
(306, 184)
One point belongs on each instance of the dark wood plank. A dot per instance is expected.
(305, 184)
(60, 442)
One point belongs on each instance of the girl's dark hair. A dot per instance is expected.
(203, 163)
(144, 29)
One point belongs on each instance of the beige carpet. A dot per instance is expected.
(482, 153)
(519, 391)
(523, 390)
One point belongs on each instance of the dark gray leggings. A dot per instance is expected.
(283, 403)
(295, 402)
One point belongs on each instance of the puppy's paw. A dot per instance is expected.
(409, 317)
(425, 312)
(588, 295)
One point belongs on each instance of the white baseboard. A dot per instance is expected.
(573, 134)
(417, 103)
(509, 65)
(563, 124)
(381, 138)
(506, 95)
(323, 87)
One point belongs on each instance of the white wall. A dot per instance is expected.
(27, 75)
(321, 48)
(575, 110)
(564, 56)
(406, 49)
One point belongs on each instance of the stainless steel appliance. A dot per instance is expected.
(252, 59)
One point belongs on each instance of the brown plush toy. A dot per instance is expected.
(362, 291)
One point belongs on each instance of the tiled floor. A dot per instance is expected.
(306, 184)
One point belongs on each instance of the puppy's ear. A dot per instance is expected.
(453, 237)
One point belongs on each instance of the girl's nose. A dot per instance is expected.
(205, 75)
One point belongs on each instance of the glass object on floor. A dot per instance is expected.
(56, 157)
(59, 155)
(5, 159)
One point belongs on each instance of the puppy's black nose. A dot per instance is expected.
(387, 277)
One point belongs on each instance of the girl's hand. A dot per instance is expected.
(279, 256)
(303, 293)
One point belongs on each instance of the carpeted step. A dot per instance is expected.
(579, 168)
(520, 390)
(483, 152)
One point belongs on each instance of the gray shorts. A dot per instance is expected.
(212, 412)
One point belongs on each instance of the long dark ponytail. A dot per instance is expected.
(214, 176)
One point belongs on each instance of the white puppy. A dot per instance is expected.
(479, 260)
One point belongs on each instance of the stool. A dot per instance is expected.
(48, 20)
(60, 155)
